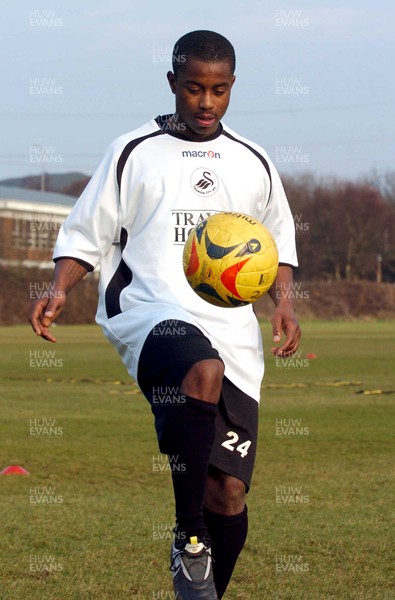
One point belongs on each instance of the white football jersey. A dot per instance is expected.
(151, 188)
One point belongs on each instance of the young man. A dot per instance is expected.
(133, 219)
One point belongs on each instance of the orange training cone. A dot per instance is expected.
(14, 470)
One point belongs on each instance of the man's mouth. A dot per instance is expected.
(205, 120)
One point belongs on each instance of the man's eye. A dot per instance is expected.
(219, 92)
(193, 90)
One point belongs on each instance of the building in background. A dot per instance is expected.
(29, 225)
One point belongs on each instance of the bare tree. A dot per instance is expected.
(350, 228)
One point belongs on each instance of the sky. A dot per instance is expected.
(315, 81)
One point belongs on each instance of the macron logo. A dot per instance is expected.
(200, 154)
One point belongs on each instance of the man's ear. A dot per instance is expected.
(171, 78)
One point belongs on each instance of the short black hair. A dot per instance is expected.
(207, 46)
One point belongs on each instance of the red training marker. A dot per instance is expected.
(14, 470)
(311, 355)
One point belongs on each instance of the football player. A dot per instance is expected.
(200, 366)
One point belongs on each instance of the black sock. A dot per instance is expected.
(228, 534)
(187, 436)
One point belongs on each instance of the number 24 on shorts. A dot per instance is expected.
(234, 438)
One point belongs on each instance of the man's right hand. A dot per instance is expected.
(44, 311)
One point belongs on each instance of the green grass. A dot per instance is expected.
(97, 528)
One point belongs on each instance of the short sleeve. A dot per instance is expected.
(93, 224)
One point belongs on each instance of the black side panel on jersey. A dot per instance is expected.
(123, 275)
(122, 278)
(259, 156)
(128, 150)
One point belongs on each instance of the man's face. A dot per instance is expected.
(202, 91)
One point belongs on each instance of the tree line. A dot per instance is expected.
(344, 229)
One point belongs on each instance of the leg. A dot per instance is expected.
(191, 563)
(227, 520)
(186, 432)
(204, 380)
(224, 494)
(191, 429)
(187, 365)
(231, 466)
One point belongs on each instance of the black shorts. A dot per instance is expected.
(169, 352)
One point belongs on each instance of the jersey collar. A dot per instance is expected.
(161, 122)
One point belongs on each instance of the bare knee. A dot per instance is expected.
(204, 380)
(224, 494)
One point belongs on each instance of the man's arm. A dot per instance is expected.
(44, 311)
(284, 318)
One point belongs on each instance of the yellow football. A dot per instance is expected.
(230, 259)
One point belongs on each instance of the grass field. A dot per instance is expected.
(93, 519)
